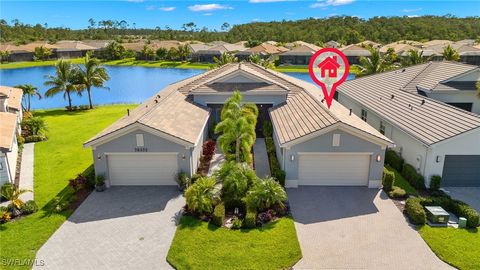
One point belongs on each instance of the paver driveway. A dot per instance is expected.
(121, 228)
(356, 228)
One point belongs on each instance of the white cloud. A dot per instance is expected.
(266, 1)
(256, 20)
(326, 3)
(166, 8)
(407, 10)
(208, 7)
(207, 14)
(413, 16)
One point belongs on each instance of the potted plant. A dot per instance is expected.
(100, 183)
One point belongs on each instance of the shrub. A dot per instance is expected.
(218, 217)
(5, 216)
(397, 192)
(35, 125)
(461, 209)
(237, 223)
(60, 204)
(89, 174)
(5, 189)
(415, 211)
(84, 107)
(201, 196)
(35, 138)
(265, 217)
(269, 144)
(78, 182)
(411, 175)
(388, 179)
(182, 180)
(29, 207)
(267, 129)
(195, 177)
(250, 218)
(264, 194)
(100, 180)
(235, 186)
(20, 141)
(208, 150)
(394, 160)
(435, 181)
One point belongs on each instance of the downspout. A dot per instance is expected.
(191, 162)
(425, 163)
(8, 169)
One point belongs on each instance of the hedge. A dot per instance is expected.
(275, 169)
(388, 179)
(218, 217)
(250, 218)
(415, 211)
(397, 193)
(411, 175)
(394, 160)
(435, 182)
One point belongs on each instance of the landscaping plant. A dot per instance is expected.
(237, 129)
(415, 179)
(182, 180)
(397, 192)
(415, 211)
(29, 207)
(387, 180)
(394, 160)
(100, 183)
(202, 196)
(12, 193)
(218, 217)
(264, 194)
(435, 182)
(78, 182)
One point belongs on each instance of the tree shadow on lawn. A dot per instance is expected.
(58, 112)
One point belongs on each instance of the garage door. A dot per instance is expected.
(461, 171)
(333, 169)
(142, 169)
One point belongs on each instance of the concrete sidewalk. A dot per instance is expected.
(26, 171)
(262, 167)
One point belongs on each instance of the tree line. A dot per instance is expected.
(345, 29)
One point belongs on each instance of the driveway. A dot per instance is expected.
(470, 195)
(121, 228)
(355, 228)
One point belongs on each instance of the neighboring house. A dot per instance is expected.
(434, 137)
(16, 53)
(209, 54)
(72, 49)
(11, 101)
(436, 42)
(10, 117)
(468, 54)
(369, 43)
(401, 49)
(265, 50)
(333, 44)
(299, 55)
(354, 53)
(315, 145)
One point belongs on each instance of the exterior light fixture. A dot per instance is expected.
(1, 166)
(99, 156)
(292, 157)
(379, 157)
(438, 159)
(235, 211)
(183, 156)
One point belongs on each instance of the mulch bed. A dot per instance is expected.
(81, 195)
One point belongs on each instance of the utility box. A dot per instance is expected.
(437, 214)
(462, 222)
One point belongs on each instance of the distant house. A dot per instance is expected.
(10, 117)
(401, 49)
(354, 52)
(434, 137)
(468, 54)
(72, 49)
(208, 55)
(369, 43)
(437, 42)
(332, 44)
(330, 66)
(299, 55)
(265, 50)
(16, 53)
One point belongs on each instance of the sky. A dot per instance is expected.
(212, 14)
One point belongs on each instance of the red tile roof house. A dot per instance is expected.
(419, 108)
(329, 65)
(314, 145)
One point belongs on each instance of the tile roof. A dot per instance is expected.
(265, 48)
(302, 50)
(354, 50)
(73, 45)
(14, 96)
(8, 125)
(427, 120)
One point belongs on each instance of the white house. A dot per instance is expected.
(434, 137)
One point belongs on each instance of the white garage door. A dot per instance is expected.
(142, 169)
(327, 169)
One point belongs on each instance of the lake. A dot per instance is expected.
(126, 84)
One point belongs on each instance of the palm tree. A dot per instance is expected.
(12, 193)
(477, 85)
(65, 80)
(414, 57)
(93, 74)
(224, 59)
(28, 92)
(450, 54)
(237, 128)
(183, 52)
(256, 59)
(375, 63)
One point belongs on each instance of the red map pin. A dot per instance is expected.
(328, 68)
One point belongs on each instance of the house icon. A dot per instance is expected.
(329, 64)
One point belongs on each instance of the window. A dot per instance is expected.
(382, 128)
(336, 140)
(364, 115)
(140, 142)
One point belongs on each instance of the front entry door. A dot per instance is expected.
(262, 117)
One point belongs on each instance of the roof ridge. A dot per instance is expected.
(429, 64)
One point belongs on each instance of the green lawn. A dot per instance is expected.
(27, 64)
(402, 183)
(158, 64)
(458, 247)
(56, 160)
(199, 245)
(302, 69)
